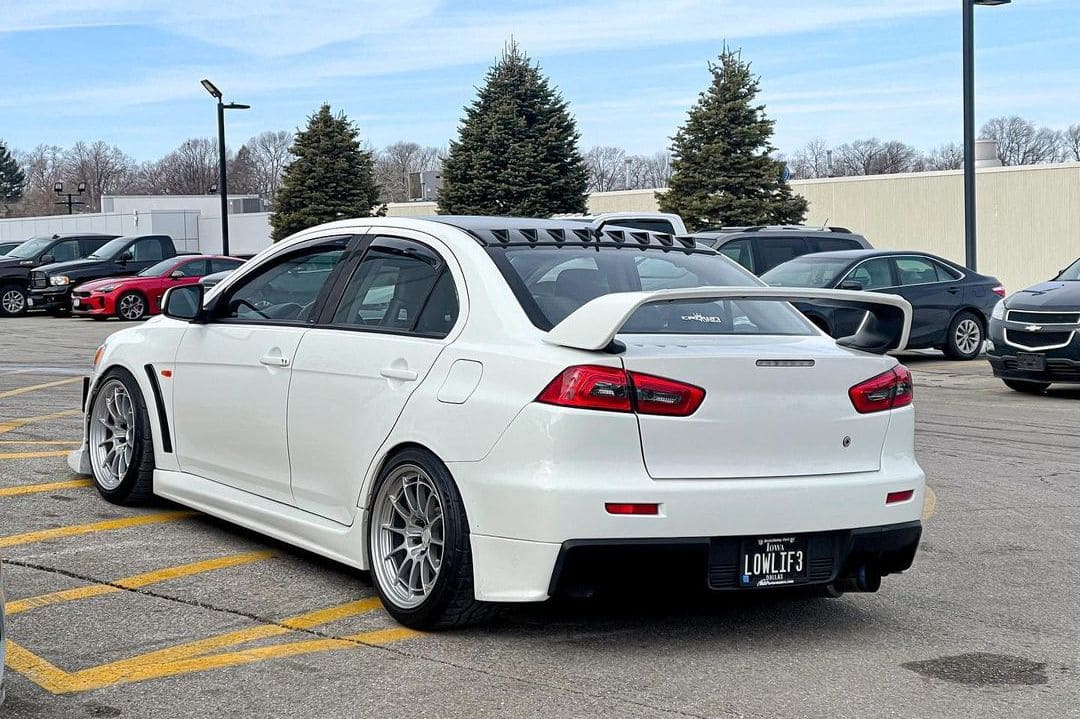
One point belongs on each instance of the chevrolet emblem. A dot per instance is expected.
(1033, 328)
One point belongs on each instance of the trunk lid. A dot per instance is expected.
(774, 406)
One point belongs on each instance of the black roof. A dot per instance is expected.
(527, 231)
(69, 235)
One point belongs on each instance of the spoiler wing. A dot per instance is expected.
(594, 325)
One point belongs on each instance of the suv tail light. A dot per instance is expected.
(999, 291)
(616, 390)
(888, 390)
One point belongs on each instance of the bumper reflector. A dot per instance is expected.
(631, 508)
(897, 497)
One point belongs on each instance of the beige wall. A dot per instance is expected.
(1029, 217)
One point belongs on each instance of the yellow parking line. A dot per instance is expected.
(13, 424)
(47, 676)
(39, 441)
(135, 582)
(48, 487)
(34, 455)
(34, 387)
(929, 504)
(70, 531)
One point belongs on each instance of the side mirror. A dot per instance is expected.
(176, 274)
(47, 259)
(184, 303)
(125, 257)
(851, 285)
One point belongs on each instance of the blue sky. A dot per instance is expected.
(128, 71)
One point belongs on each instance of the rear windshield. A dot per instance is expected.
(806, 271)
(552, 282)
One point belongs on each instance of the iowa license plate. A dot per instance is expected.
(772, 561)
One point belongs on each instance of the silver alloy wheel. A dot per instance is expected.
(112, 434)
(968, 336)
(407, 536)
(13, 301)
(132, 307)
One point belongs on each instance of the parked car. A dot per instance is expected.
(345, 393)
(951, 305)
(759, 249)
(663, 222)
(132, 298)
(6, 247)
(51, 285)
(16, 265)
(1035, 334)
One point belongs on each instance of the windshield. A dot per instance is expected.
(110, 248)
(30, 248)
(1072, 273)
(159, 268)
(552, 282)
(806, 271)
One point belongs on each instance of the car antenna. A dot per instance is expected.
(825, 224)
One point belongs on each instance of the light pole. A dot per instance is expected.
(970, 244)
(223, 189)
(58, 188)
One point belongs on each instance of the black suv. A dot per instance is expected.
(759, 249)
(15, 266)
(51, 285)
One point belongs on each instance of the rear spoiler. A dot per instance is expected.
(594, 325)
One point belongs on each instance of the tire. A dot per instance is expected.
(12, 301)
(1025, 386)
(965, 338)
(123, 469)
(402, 535)
(98, 318)
(131, 306)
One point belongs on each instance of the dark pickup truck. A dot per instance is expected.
(15, 267)
(51, 285)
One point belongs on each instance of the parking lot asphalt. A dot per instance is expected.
(160, 612)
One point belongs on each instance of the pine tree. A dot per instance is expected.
(12, 179)
(517, 148)
(722, 171)
(332, 177)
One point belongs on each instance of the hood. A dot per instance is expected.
(6, 262)
(72, 267)
(1053, 295)
(98, 284)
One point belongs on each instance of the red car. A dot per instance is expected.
(132, 298)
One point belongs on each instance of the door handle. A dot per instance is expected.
(407, 375)
(953, 290)
(272, 360)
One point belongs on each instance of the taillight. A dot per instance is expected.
(888, 390)
(616, 390)
(999, 291)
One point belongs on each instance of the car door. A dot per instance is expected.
(393, 313)
(144, 252)
(932, 300)
(231, 375)
(874, 275)
(63, 251)
(189, 273)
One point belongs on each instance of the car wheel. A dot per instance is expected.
(119, 440)
(131, 306)
(12, 300)
(965, 338)
(1025, 386)
(418, 545)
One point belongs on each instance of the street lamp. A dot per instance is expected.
(58, 188)
(970, 245)
(222, 186)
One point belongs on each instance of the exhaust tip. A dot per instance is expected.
(867, 578)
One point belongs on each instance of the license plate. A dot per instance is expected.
(772, 561)
(1031, 362)
(75, 303)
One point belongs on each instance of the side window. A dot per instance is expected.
(773, 251)
(915, 271)
(64, 251)
(222, 266)
(739, 250)
(195, 268)
(147, 249)
(398, 286)
(285, 289)
(946, 274)
(832, 244)
(873, 274)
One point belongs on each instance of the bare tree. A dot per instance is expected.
(874, 157)
(1071, 141)
(43, 166)
(394, 164)
(647, 171)
(104, 168)
(1021, 142)
(812, 160)
(189, 169)
(607, 168)
(949, 156)
(269, 155)
(243, 175)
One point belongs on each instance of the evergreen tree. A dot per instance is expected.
(517, 151)
(12, 179)
(722, 171)
(331, 178)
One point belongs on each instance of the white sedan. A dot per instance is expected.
(486, 410)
